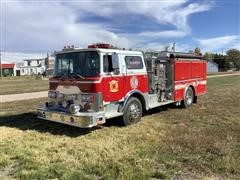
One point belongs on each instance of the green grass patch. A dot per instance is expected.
(223, 81)
(22, 84)
(200, 142)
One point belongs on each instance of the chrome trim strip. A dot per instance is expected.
(184, 80)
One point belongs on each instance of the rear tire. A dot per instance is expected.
(132, 111)
(189, 98)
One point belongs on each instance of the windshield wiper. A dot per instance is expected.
(59, 75)
(78, 75)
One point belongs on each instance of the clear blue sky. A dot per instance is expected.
(222, 19)
(32, 28)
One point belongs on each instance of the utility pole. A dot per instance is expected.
(174, 47)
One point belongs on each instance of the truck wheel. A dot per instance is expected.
(132, 112)
(189, 97)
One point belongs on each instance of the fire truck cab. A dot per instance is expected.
(101, 82)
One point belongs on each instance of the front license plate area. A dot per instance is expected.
(58, 117)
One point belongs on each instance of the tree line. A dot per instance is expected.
(228, 61)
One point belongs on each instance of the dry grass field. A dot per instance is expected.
(200, 142)
(22, 84)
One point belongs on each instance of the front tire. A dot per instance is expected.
(189, 98)
(132, 111)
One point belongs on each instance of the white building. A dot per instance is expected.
(33, 66)
(37, 66)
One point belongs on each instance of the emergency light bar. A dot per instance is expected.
(101, 45)
(68, 47)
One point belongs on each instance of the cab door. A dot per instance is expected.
(136, 74)
(113, 80)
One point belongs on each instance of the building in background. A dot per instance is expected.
(18, 65)
(212, 67)
(37, 66)
(8, 69)
(49, 62)
(33, 66)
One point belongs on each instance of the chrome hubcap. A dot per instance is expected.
(134, 112)
(189, 98)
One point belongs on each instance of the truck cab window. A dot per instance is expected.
(84, 63)
(107, 63)
(134, 62)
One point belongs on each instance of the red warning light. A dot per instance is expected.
(101, 45)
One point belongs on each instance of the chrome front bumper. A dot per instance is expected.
(83, 120)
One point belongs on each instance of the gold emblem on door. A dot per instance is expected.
(113, 86)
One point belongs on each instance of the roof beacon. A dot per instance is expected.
(101, 45)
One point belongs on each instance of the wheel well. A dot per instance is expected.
(141, 98)
(191, 86)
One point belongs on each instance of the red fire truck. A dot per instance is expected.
(101, 82)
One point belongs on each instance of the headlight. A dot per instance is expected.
(74, 108)
(52, 94)
(87, 98)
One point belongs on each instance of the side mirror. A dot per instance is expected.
(115, 63)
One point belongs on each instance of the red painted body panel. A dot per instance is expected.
(124, 86)
(102, 84)
(182, 70)
(189, 73)
(109, 96)
(88, 85)
(197, 69)
(142, 83)
(178, 94)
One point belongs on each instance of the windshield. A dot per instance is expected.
(82, 64)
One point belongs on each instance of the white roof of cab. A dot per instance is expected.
(102, 50)
(119, 51)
